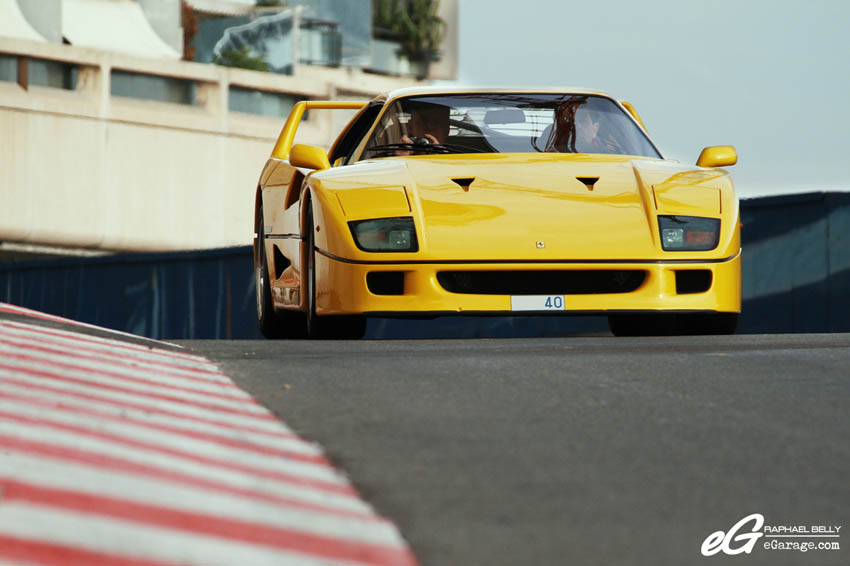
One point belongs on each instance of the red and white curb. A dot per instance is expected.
(116, 453)
(23, 311)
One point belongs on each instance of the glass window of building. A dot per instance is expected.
(260, 102)
(152, 87)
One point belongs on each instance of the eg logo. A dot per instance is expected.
(722, 542)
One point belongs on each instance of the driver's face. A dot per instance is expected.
(432, 121)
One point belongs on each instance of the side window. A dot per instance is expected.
(351, 139)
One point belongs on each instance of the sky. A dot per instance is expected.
(771, 78)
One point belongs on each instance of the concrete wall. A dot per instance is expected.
(85, 169)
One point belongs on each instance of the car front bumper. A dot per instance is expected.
(341, 288)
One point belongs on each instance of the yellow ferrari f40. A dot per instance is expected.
(437, 201)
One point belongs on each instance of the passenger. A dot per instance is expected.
(576, 130)
(587, 135)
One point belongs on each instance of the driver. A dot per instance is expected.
(429, 123)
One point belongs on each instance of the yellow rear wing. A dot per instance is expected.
(287, 134)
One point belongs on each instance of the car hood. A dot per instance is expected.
(531, 207)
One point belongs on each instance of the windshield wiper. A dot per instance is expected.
(386, 149)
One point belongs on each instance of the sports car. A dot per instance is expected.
(436, 201)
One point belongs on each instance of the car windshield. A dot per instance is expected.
(506, 123)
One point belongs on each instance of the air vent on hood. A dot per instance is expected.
(464, 182)
(588, 181)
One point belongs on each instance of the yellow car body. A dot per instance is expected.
(496, 233)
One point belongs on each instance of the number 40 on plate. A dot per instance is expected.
(537, 303)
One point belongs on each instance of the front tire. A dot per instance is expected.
(642, 324)
(720, 323)
(272, 324)
(335, 327)
(663, 324)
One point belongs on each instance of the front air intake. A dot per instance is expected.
(693, 281)
(540, 282)
(385, 282)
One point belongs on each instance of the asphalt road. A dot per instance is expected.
(574, 450)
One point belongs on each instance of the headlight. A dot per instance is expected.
(385, 235)
(688, 233)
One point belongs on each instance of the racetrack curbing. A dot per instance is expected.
(123, 453)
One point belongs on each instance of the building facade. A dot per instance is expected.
(111, 142)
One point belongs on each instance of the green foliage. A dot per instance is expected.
(414, 23)
(242, 58)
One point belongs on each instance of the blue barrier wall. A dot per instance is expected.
(796, 278)
(796, 263)
(200, 294)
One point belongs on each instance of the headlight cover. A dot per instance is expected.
(385, 234)
(688, 233)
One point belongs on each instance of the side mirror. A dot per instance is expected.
(309, 157)
(717, 156)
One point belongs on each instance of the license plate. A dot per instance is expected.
(537, 303)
